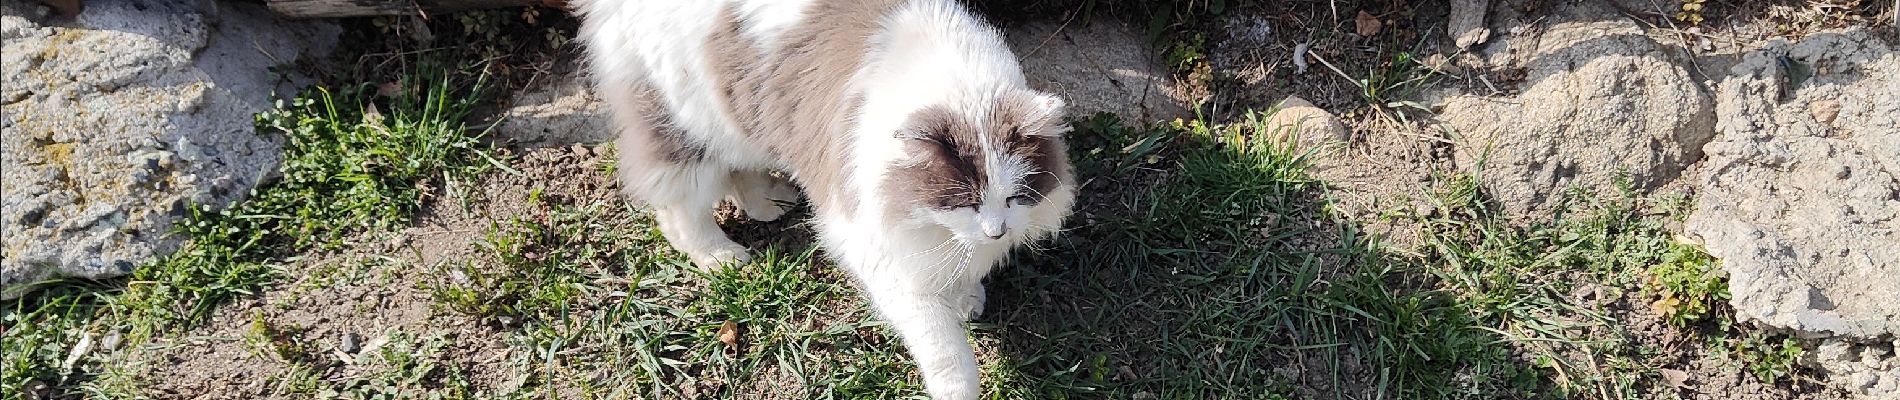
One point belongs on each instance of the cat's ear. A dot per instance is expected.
(1046, 112)
(1050, 104)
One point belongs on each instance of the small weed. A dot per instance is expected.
(1187, 56)
(1691, 11)
(1768, 357)
(1687, 286)
(284, 343)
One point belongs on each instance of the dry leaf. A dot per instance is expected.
(389, 89)
(729, 334)
(1675, 378)
(1367, 24)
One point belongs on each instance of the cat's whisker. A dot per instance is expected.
(1038, 193)
(957, 275)
(946, 242)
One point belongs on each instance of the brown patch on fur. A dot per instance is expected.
(950, 170)
(1029, 132)
(792, 99)
(648, 131)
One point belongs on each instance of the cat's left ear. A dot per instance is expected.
(1047, 111)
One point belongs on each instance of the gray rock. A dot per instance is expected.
(1599, 98)
(117, 118)
(1466, 24)
(1801, 198)
(558, 112)
(1805, 215)
(1099, 65)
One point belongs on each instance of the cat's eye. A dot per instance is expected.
(956, 204)
(1022, 199)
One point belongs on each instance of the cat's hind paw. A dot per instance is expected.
(729, 254)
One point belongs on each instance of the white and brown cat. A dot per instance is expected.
(907, 123)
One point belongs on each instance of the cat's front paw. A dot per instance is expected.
(957, 388)
(971, 304)
(720, 257)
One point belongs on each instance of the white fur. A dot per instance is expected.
(922, 271)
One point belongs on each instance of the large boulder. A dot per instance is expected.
(119, 119)
(1801, 198)
(1599, 98)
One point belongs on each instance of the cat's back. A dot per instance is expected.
(666, 37)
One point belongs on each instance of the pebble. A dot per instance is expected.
(352, 343)
(580, 150)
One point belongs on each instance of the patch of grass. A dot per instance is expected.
(44, 329)
(598, 306)
(406, 366)
(1230, 278)
(348, 169)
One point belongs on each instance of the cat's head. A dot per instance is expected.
(992, 170)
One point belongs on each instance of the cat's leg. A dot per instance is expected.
(672, 175)
(758, 194)
(933, 332)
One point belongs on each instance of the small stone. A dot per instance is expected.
(111, 341)
(581, 151)
(1824, 110)
(351, 343)
(1865, 380)
(1312, 126)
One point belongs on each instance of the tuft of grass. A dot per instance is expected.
(348, 169)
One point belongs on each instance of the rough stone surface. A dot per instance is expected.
(1099, 66)
(1801, 196)
(560, 112)
(1466, 24)
(117, 120)
(1599, 97)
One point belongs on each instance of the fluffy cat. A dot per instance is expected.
(906, 122)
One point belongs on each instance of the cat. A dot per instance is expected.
(906, 123)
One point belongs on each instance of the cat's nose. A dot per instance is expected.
(995, 231)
